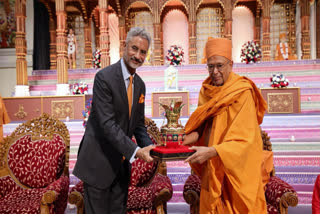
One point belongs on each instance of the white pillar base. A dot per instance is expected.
(22, 91)
(62, 89)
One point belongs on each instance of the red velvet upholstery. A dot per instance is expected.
(271, 209)
(144, 197)
(34, 168)
(142, 172)
(30, 160)
(27, 200)
(141, 211)
(275, 189)
(78, 188)
(192, 183)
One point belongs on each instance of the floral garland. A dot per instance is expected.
(279, 80)
(175, 55)
(250, 52)
(86, 112)
(96, 61)
(80, 88)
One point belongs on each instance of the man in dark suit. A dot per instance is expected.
(106, 150)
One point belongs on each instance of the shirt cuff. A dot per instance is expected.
(134, 154)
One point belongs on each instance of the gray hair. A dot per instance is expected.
(138, 31)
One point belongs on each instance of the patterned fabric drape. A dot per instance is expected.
(144, 19)
(282, 21)
(209, 23)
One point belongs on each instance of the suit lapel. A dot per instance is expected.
(122, 86)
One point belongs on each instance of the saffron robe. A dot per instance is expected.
(4, 118)
(279, 57)
(228, 119)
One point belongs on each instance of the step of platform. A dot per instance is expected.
(302, 73)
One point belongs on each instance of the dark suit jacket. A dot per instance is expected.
(108, 133)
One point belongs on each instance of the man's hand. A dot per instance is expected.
(202, 154)
(144, 153)
(191, 138)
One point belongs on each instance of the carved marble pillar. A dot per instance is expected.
(192, 43)
(53, 45)
(62, 54)
(318, 28)
(88, 47)
(192, 33)
(266, 47)
(104, 34)
(305, 29)
(266, 52)
(228, 7)
(256, 32)
(228, 28)
(22, 88)
(122, 34)
(97, 36)
(157, 44)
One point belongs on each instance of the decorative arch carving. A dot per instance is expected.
(252, 12)
(95, 16)
(184, 3)
(83, 9)
(128, 4)
(199, 3)
(50, 11)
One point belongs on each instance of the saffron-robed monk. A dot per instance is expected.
(224, 131)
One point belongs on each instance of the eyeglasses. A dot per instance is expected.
(219, 66)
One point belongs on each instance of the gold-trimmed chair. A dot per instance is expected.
(34, 167)
(279, 194)
(149, 189)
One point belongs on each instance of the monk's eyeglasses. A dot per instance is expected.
(219, 66)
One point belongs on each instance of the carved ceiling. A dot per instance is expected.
(89, 8)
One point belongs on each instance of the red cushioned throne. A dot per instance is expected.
(149, 188)
(279, 194)
(34, 175)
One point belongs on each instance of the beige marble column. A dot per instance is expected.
(122, 34)
(192, 43)
(192, 34)
(305, 29)
(104, 34)
(228, 29)
(266, 51)
(22, 88)
(257, 28)
(88, 47)
(228, 7)
(266, 47)
(157, 44)
(97, 36)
